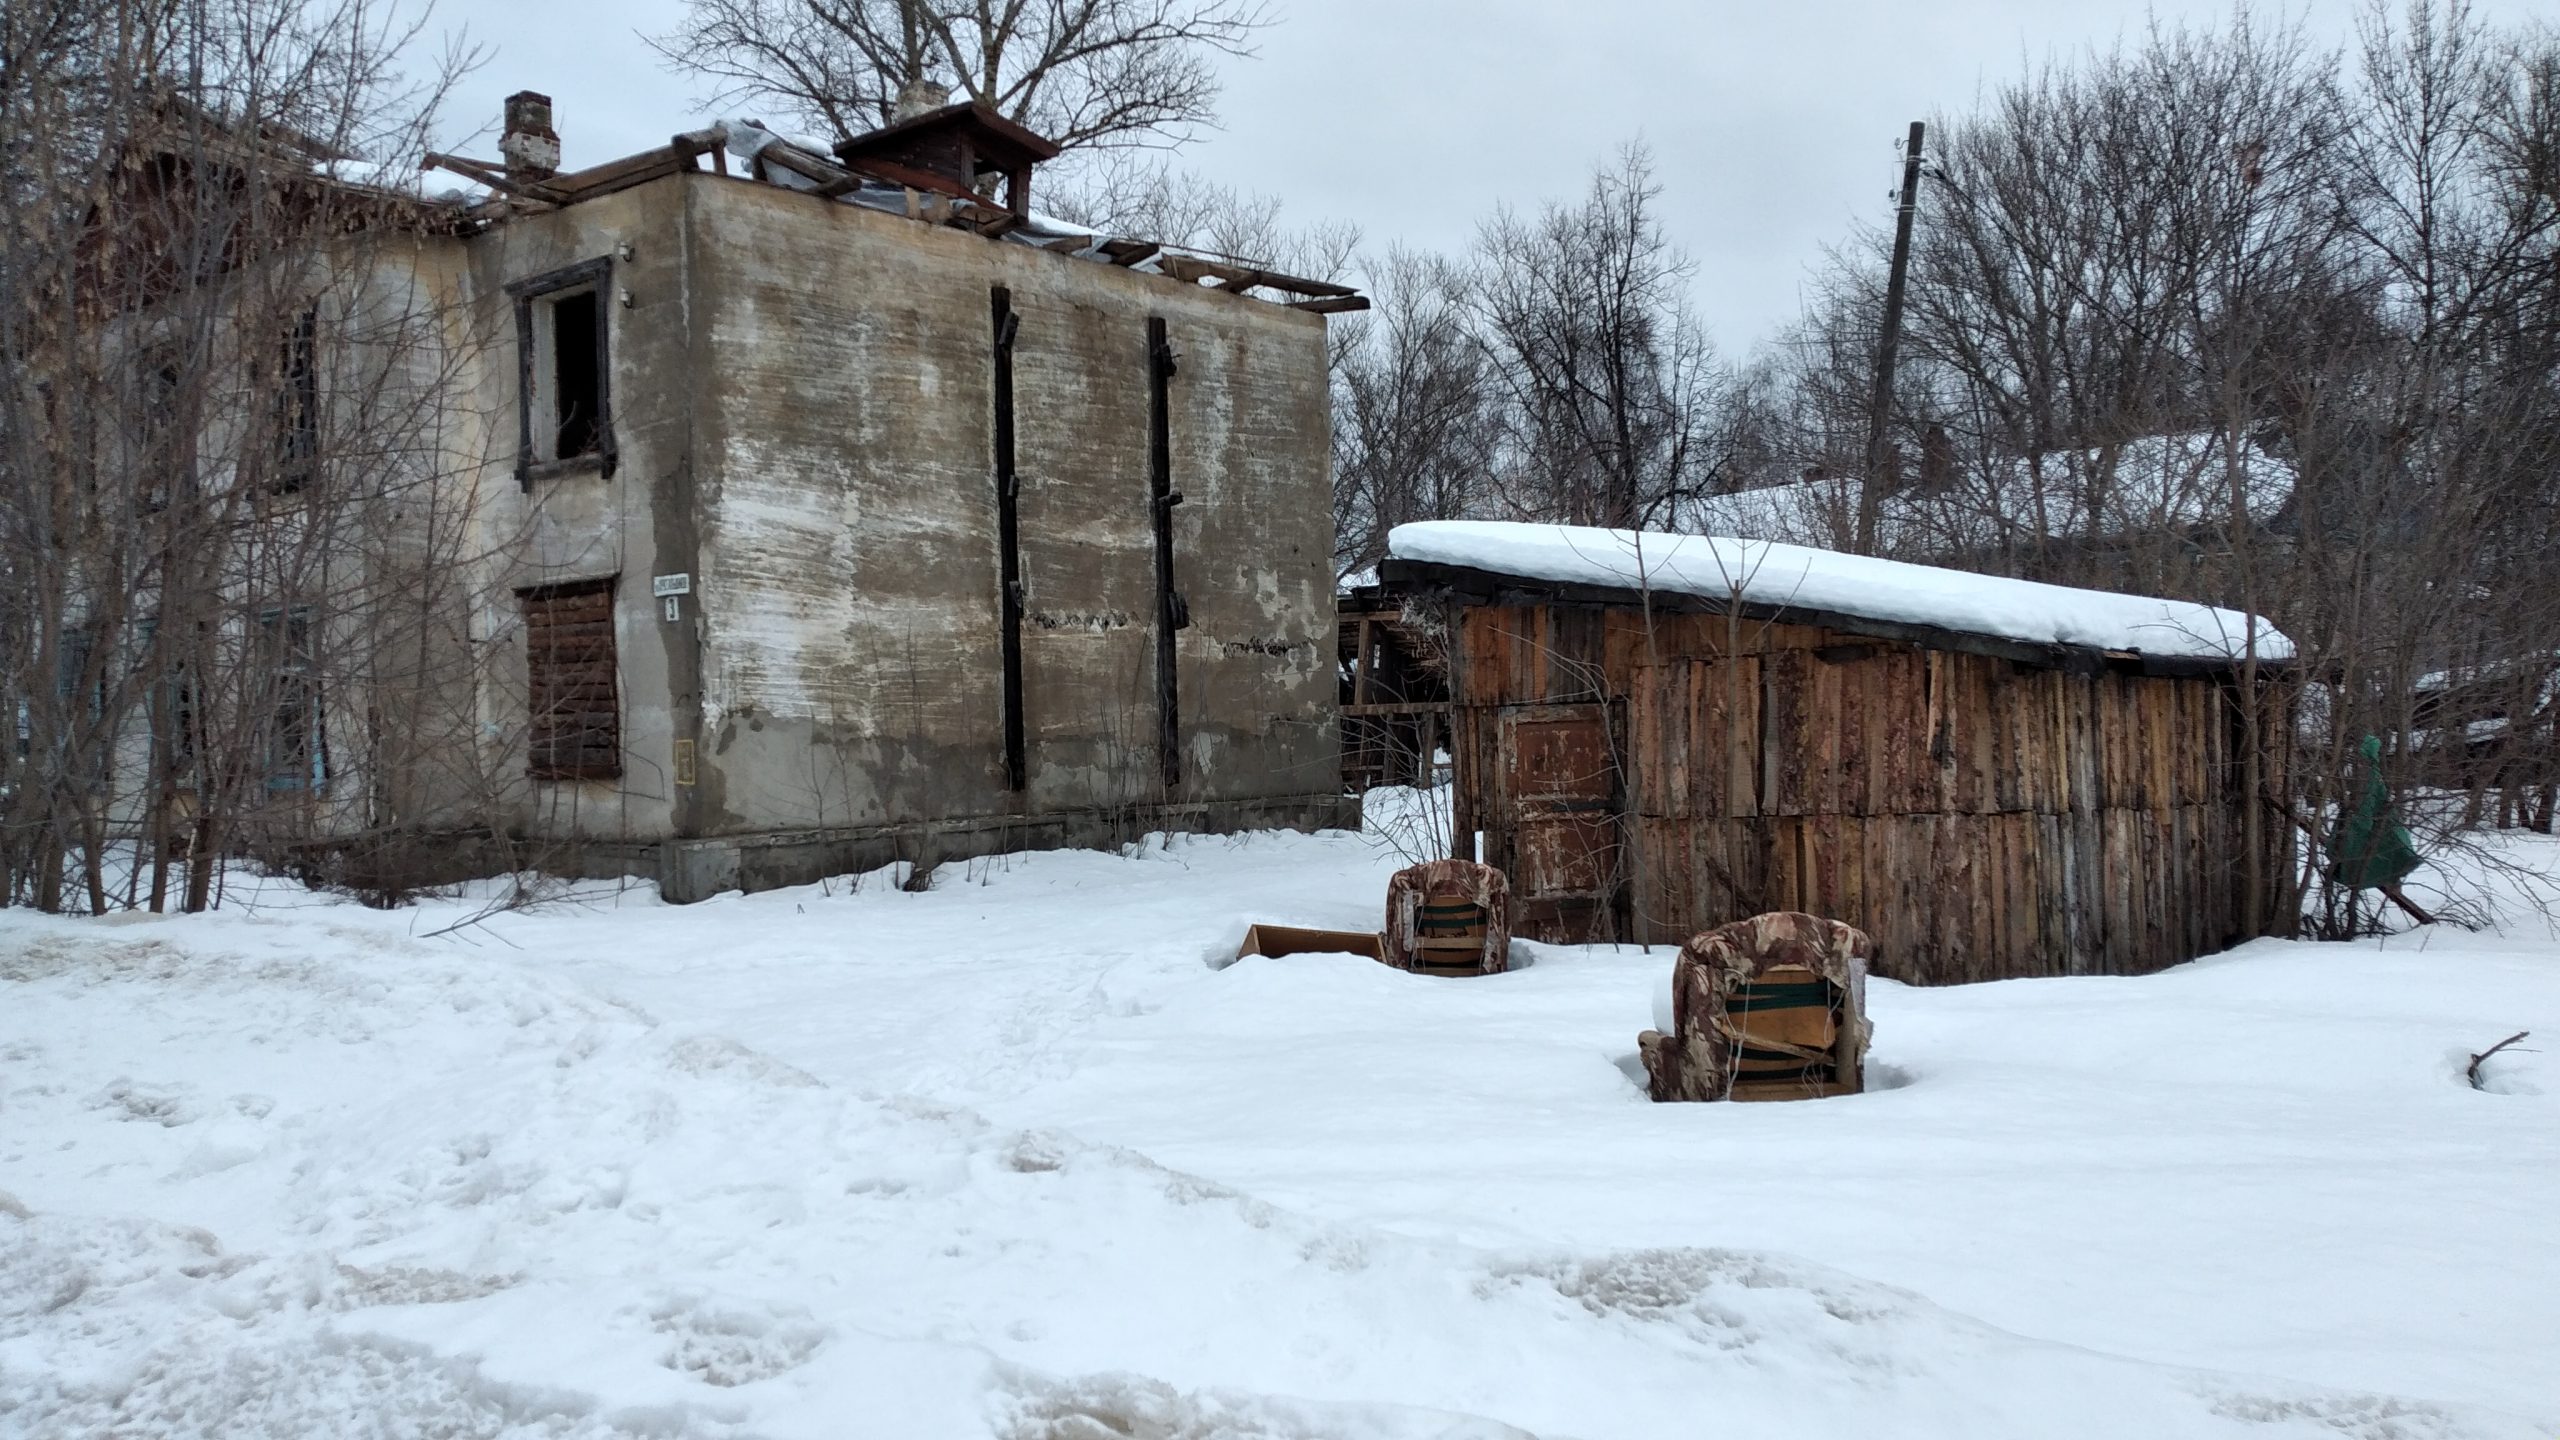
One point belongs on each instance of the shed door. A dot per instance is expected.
(1560, 775)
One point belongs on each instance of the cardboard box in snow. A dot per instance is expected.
(1295, 940)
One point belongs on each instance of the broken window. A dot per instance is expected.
(298, 405)
(577, 374)
(80, 692)
(564, 370)
(297, 738)
(574, 710)
(173, 722)
(164, 447)
(172, 709)
(83, 695)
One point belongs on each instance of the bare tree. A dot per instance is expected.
(1807, 416)
(1610, 383)
(233, 545)
(1152, 199)
(2222, 316)
(1414, 404)
(1085, 73)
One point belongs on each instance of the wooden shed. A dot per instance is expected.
(1657, 734)
(1395, 693)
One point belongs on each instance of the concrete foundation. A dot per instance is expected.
(691, 870)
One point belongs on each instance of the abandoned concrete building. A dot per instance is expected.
(837, 509)
(869, 516)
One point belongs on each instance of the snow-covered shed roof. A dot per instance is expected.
(1851, 592)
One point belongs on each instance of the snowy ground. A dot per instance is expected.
(1012, 1158)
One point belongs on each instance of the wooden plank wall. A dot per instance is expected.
(1981, 818)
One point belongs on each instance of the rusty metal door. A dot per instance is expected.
(1563, 783)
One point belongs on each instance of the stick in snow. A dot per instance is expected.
(2492, 1050)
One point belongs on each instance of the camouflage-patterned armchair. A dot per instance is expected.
(1449, 917)
(1769, 1008)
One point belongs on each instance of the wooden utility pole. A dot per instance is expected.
(1871, 485)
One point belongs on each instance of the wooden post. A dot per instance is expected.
(1888, 338)
(2253, 839)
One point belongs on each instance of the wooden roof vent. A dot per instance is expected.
(952, 150)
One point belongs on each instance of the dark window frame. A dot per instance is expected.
(72, 653)
(171, 475)
(81, 703)
(297, 405)
(297, 748)
(596, 274)
(175, 729)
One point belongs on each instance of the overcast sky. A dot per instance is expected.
(1773, 122)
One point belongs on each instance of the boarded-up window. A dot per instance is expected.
(576, 730)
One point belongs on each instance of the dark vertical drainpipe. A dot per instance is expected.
(1171, 614)
(1009, 540)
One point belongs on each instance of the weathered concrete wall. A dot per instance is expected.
(848, 572)
(405, 712)
(802, 409)
(378, 551)
(1252, 451)
(582, 524)
(1088, 536)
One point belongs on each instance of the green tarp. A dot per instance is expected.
(2372, 849)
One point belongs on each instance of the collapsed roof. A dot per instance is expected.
(934, 168)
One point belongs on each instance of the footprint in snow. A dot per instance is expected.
(164, 1105)
(734, 1344)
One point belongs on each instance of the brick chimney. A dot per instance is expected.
(530, 146)
(917, 97)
